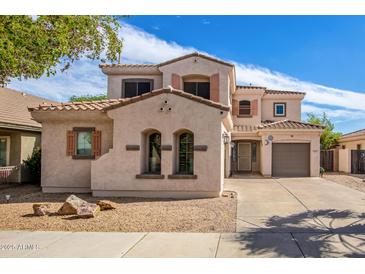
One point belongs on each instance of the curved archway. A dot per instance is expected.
(152, 151)
(185, 151)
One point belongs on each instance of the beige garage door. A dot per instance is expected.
(290, 160)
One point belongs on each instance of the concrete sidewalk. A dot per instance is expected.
(179, 245)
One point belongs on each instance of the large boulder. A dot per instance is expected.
(106, 205)
(88, 210)
(41, 209)
(71, 205)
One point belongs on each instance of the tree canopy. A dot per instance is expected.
(33, 46)
(329, 137)
(88, 97)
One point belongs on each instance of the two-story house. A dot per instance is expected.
(174, 129)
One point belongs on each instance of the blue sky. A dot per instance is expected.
(323, 56)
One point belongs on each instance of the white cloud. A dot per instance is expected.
(141, 47)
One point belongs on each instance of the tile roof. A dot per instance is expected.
(13, 109)
(283, 124)
(249, 87)
(84, 105)
(196, 54)
(271, 91)
(288, 124)
(354, 133)
(127, 65)
(104, 105)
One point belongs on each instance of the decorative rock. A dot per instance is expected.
(106, 205)
(41, 209)
(88, 210)
(71, 205)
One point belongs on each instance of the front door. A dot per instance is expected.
(244, 156)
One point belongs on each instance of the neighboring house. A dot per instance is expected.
(350, 152)
(19, 134)
(174, 129)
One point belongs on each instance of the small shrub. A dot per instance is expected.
(322, 171)
(33, 163)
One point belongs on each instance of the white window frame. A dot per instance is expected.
(278, 114)
(7, 149)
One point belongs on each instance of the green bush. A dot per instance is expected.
(33, 163)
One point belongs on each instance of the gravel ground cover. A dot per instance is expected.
(355, 182)
(131, 214)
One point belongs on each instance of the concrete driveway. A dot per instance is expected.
(278, 217)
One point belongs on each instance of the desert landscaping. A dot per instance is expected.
(129, 215)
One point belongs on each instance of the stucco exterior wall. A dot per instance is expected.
(352, 144)
(250, 96)
(61, 173)
(199, 66)
(290, 137)
(115, 83)
(114, 174)
(293, 108)
(344, 160)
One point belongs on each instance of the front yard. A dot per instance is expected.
(130, 215)
(355, 182)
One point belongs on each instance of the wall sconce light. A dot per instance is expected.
(226, 138)
(7, 197)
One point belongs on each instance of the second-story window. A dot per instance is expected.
(135, 87)
(279, 109)
(245, 108)
(201, 89)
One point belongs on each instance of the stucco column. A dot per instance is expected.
(315, 157)
(266, 157)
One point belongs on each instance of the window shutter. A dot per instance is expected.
(214, 87)
(175, 81)
(254, 107)
(96, 143)
(70, 146)
(235, 107)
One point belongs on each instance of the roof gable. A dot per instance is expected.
(195, 54)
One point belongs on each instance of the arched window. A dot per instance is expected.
(245, 108)
(186, 153)
(154, 153)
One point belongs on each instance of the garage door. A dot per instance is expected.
(290, 160)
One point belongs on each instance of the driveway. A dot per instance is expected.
(319, 217)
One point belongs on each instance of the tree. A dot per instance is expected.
(328, 137)
(87, 97)
(33, 46)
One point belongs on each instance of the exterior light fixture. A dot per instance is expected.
(225, 137)
(7, 197)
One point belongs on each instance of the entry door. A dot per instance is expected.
(244, 156)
